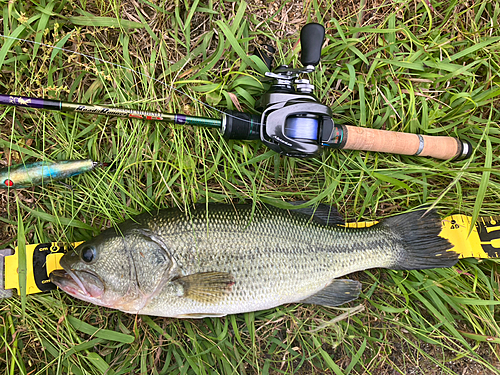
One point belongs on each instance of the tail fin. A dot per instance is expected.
(423, 247)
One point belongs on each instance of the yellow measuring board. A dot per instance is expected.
(483, 242)
(41, 260)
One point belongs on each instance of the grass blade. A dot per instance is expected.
(99, 333)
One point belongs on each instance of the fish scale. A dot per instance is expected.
(233, 259)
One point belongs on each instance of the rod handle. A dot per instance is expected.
(439, 147)
(312, 36)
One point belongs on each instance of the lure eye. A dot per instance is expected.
(88, 254)
(9, 183)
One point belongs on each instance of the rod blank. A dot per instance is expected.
(29, 102)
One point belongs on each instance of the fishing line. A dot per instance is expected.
(32, 42)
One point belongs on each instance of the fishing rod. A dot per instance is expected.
(291, 121)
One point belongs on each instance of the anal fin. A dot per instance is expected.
(340, 291)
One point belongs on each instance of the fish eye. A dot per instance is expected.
(88, 254)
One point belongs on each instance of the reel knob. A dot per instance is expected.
(312, 37)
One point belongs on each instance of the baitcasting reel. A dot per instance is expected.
(294, 123)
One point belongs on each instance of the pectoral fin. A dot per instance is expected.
(337, 293)
(208, 287)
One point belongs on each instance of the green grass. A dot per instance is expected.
(426, 67)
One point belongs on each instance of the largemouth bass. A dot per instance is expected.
(229, 259)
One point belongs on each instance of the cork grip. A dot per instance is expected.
(439, 147)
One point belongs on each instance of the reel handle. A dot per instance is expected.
(439, 147)
(312, 36)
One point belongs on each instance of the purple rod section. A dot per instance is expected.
(23, 101)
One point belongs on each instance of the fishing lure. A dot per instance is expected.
(43, 172)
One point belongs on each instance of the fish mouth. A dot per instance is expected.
(68, 281)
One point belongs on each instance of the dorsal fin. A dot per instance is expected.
(321, 214)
